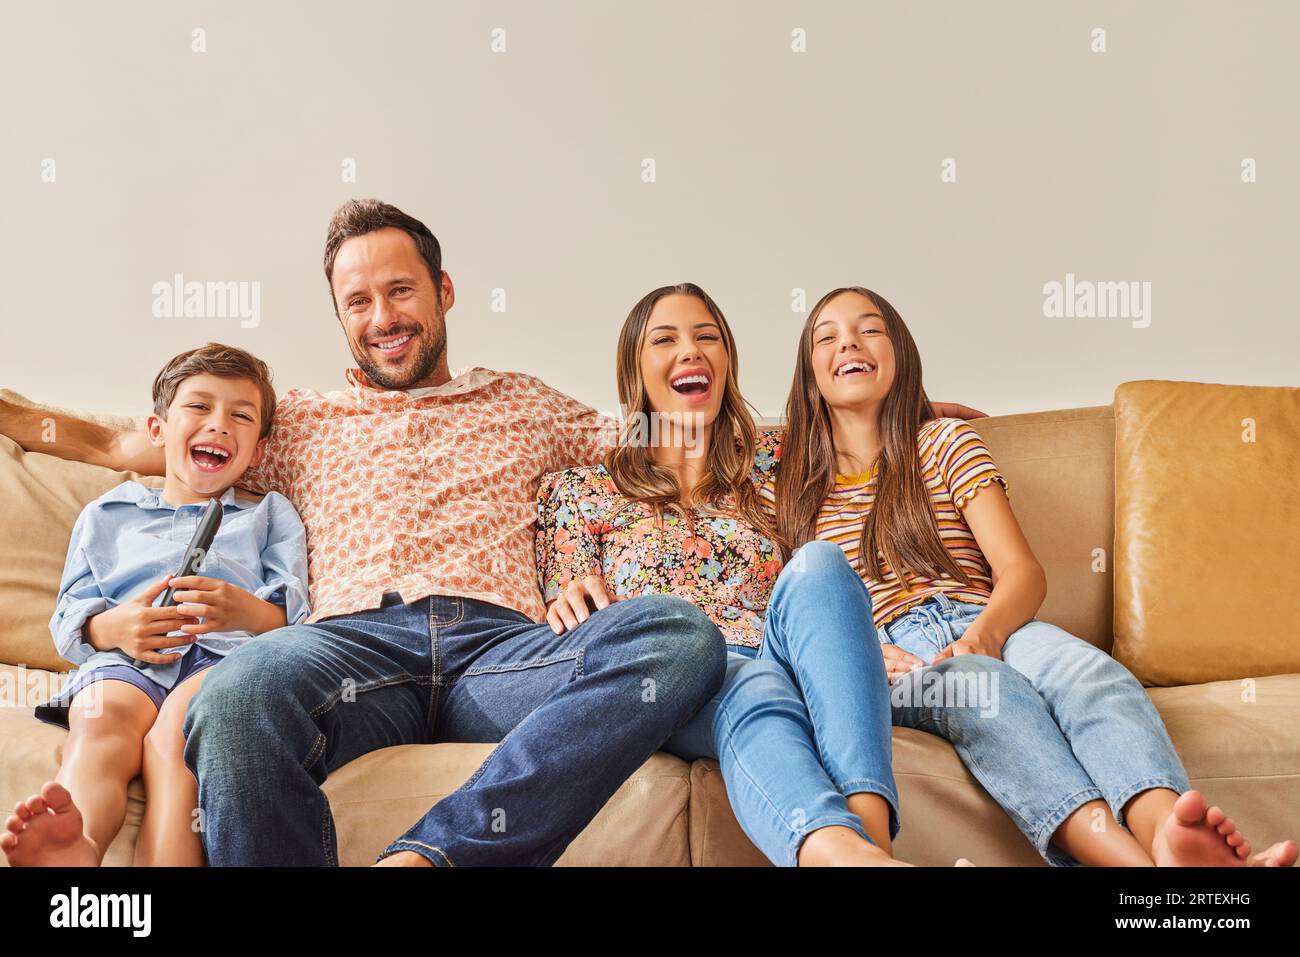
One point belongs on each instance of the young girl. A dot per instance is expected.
(1074, 751)
(801, 729)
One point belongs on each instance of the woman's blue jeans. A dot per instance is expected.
(1054, 724)
(806, 722)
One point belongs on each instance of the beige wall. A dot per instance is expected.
(776, 170)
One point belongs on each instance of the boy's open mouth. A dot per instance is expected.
(209, 458)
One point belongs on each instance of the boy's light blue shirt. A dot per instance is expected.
(129, 538)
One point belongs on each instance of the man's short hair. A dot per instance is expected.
(357, 217)
(215, 359)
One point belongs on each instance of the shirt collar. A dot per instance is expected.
(147, 497)
(462, 380)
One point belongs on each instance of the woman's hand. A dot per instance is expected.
(899, 662)
(223, 606)
(973, 642)
(570, 609)
(138, 628)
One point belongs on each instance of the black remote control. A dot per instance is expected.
(199, 545)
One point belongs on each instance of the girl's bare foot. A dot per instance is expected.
(1194, 836)
(1281, 854)
(46, 831)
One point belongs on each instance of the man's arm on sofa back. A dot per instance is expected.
(40, 430)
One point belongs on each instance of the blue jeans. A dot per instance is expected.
(805, 723)
(1054, 724)
(576, 714)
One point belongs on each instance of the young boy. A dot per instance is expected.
(139, 665)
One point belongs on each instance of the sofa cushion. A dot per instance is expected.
(42, 496)
(1206, 526)
(1060, 468)
(381, 794)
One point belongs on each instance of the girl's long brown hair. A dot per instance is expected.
(900, 526)
(726, 484)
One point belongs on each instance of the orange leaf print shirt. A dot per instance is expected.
(431, 493)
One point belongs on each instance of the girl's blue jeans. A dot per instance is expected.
(1054, 724)
(806, 722)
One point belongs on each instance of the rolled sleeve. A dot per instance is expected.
(69, 623)
(284, 561)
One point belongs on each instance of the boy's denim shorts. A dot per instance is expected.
(55, 711)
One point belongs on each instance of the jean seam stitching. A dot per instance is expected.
(397, 846)
(460, 612)
(334, 697)
(575, 655)
(317, 749)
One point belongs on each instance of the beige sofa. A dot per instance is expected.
(1166, 522)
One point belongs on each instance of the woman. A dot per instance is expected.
(1074, 751)
(801, 728)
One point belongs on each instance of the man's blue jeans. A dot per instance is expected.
(806, 723)
(576, 714)
(1054, 724)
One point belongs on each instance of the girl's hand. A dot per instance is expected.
(138, 628)
(570, 609)
(223, 607)
(899, 662)
(972, 643)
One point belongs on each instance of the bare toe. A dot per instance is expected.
(1281, 854)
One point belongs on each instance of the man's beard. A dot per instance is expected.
(429, 353)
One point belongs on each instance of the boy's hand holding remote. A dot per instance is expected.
(139, 628)
(222, 606)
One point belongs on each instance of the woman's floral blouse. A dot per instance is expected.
(724, 565)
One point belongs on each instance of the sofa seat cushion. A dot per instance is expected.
(381, 794)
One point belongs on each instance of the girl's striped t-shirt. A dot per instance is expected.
(955, 464)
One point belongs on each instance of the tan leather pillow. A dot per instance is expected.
(1206, 526)
(40, 499)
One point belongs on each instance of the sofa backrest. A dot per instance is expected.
(40, 499)
(1059, 468)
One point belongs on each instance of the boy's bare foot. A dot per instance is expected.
(1194, 836)
(46, 831)
(1281, 854)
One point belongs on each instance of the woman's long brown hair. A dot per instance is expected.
(726, 484)
(901, 526)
